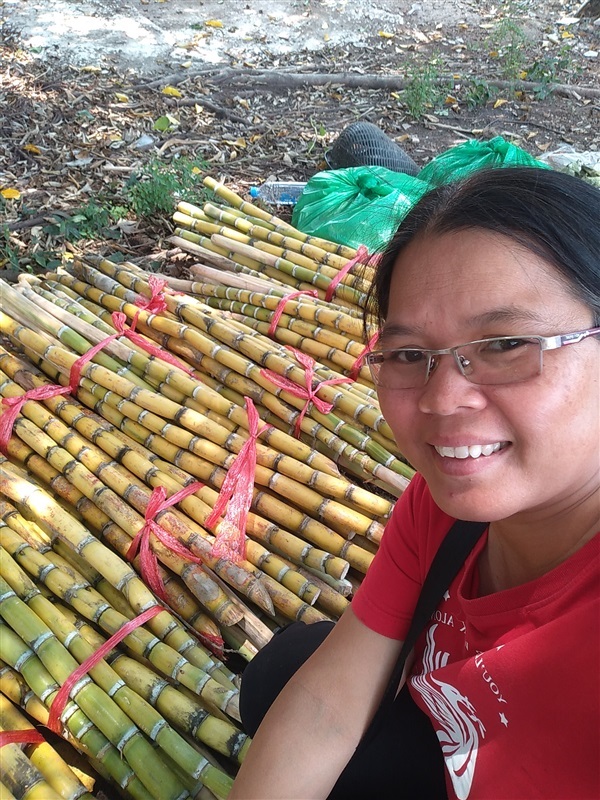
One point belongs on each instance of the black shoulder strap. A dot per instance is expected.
(451, 555)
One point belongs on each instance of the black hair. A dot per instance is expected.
(552, 214)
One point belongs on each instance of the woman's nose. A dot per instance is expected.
(447, 390)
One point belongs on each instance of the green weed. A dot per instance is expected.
(509, 41)
(478, 93)
(424, 92)
(158, 186)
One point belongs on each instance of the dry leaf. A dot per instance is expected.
(31, 148)
(196, 171)
(10, 194)
(386, 35)
(326, 38)
(91, 68)
(171, 91)
(450, 100)
(522, 75)
(122, 98)
(500, 102)
(214, 23)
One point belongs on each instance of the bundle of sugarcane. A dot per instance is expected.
(244, 238)
(349, 508)
(343, 421)
(144, 711)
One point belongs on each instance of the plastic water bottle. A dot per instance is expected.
(279, 193)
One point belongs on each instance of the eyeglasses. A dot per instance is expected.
(487, 362)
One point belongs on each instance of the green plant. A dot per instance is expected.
(424, 92)
(479, 93)
(158, 186)
(547, 69)
(91, 221)
(9, 256)
(509, 41)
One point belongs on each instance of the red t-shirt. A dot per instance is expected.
(511, 680)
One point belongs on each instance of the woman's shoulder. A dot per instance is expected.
(418, 524)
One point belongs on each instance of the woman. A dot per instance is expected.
(506, 431)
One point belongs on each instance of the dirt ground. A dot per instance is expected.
(84, 82)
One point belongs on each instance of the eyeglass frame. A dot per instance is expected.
(545, 343)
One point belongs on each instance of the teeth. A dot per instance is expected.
(470, 451)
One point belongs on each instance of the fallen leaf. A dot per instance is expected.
(386, 35)
(450, 100)
(91, 68)
(31, 148)
(196, 171)
(326, 38)
(214, 23)
(567, 35)
(500, 102)
(122, 98)
(10, 194)
(165, 123)
(522, 75)
(171, 91)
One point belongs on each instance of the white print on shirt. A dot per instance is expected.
(478, 661)
(460, 728)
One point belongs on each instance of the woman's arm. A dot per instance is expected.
(315, 724)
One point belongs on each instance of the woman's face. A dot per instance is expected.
(454, 288)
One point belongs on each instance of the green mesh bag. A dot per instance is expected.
(462, 160)
(358, 205)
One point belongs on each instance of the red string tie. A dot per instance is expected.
(15, 404)
(28, 736)
(236, 492)
(119, 319)
(62, 696)
(154, 304)
(362, 257)
(307, 392)
(356, 367)
(281, 305)
(148, 562)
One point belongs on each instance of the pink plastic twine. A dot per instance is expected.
(119, 319)
(236, 492)
(362, 257)
(356, 367)
(62, 696)
(307, 392)
(15, 404)
(148, 562)
(281, 305)
(29, 736)
(154, 304)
